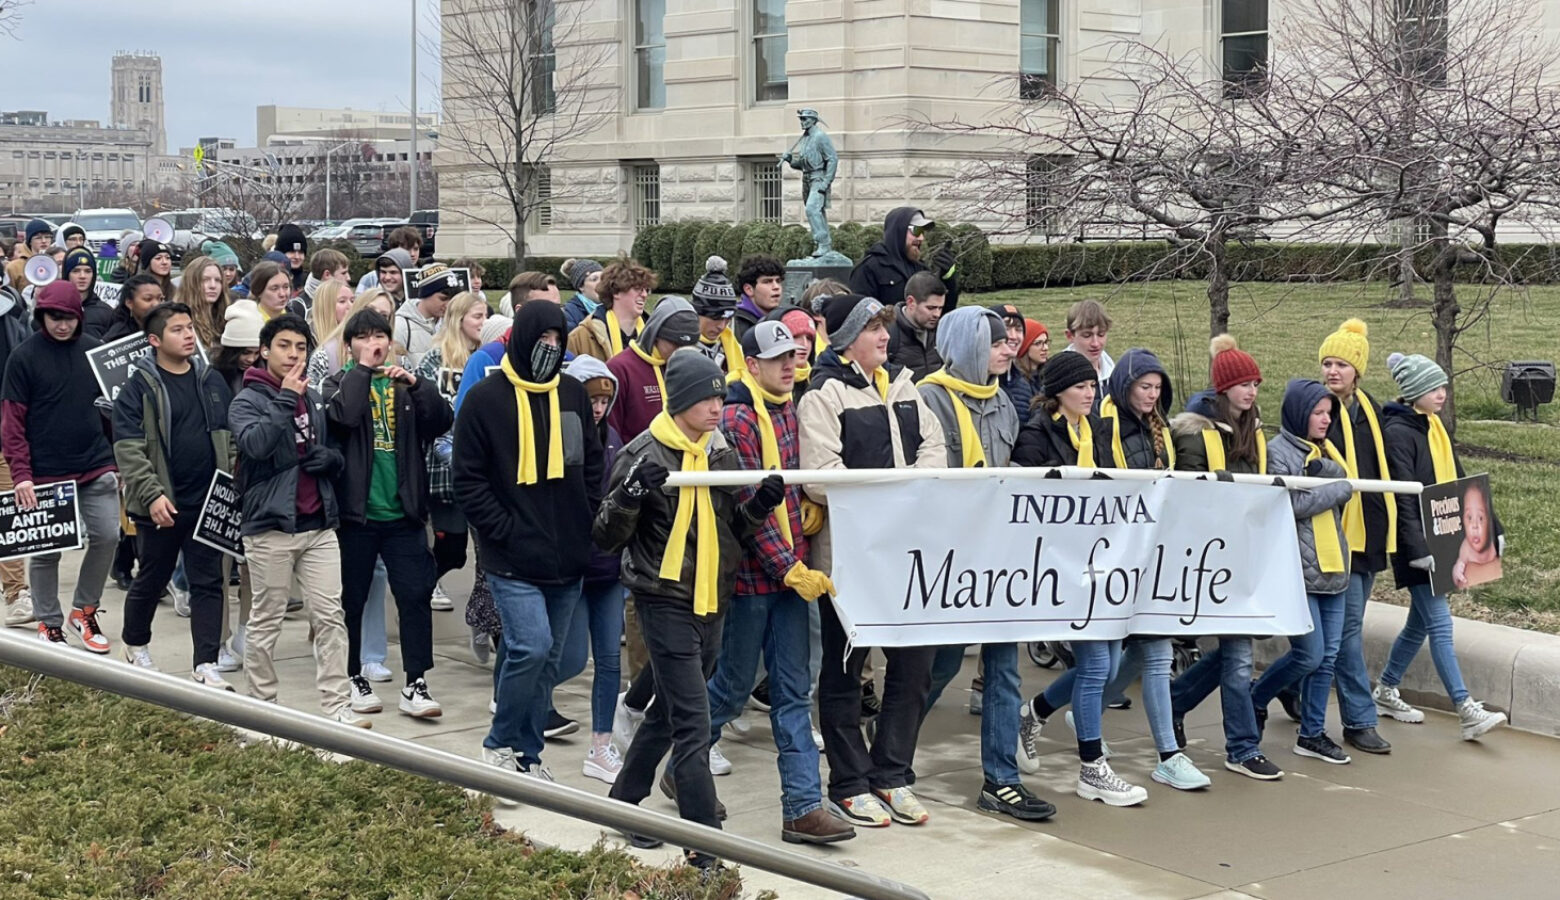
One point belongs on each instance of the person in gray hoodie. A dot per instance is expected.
(416, 321)
(1302, 448)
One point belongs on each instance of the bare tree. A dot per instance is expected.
(11, 16)
(512, 104)
(1441, 116)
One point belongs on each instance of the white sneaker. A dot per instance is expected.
(818, 738)
(625, 722)
(226, 661)
(603, 762)
(364, 700)
(1391, 705)
(1096, 781)
(181, 601)
(1476, 720)
(493, 706)
(20, 610)
(139, 657)
(1104, 747)
(501, 758)
(374, 671)
(719, 764)
(441, 601)
(210, 676)
(1028, 732)
(481, 646)
(346, 716)
(418, 703)
(740, 725)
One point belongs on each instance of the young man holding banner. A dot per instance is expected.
(173, 407)
(865, 414)
(981, 424)
(774, 587)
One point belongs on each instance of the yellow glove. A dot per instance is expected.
(812, 517)
(809, 583)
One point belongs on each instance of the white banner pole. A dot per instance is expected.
(739, 477)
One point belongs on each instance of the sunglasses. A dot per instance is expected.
(918, 230)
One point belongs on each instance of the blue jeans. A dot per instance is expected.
(536, 619)
(1084, 685)
(376, 643)
(1150, 657)
(1352, 682)
(1228, 668)
(597, 630)
(1428, 616)
(1312, 653)
(775, 625)
(1000, 702)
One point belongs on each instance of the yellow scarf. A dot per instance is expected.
(879, 377)
(770, 443)
(819, 345)
(526, 471)
(615, 332)
(736, 363)
(1324, 528)
(971, 453)
(1381, 466)
(1082, 439)
(1213, 446)
(1109, 412)
(1354, 513)
(803, 373)
(691, 500)
(1440, 449)
(656, 365)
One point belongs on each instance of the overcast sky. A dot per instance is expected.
(222, 58)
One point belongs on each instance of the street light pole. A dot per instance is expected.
(413, 155)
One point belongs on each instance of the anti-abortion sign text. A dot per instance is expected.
(111, 362)
(1459, 522)
(221, 521)
(49, 528)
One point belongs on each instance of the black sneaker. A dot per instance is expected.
(558, 725)
(1321, 747)
(870, 704)
(1290, 701)
(669, 788)
(1366, 740)
(1123, 703)
(1258, 767)
(1014, 800)
(759, 699)
(642, 841)
(1180, 733)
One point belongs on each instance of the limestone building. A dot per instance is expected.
(137, 96)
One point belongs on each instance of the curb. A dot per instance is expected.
(1509, 668)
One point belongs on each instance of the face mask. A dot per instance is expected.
(544, 360)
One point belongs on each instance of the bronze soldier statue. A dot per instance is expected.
(815, 157)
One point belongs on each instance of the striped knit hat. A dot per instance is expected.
(1415, 375)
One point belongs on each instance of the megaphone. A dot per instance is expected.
(41, 270)
(158, 230)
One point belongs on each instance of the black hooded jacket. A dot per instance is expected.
(540, 533)
(1045, 442)
(97, 317)
(883, 272)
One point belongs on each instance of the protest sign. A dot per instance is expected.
(1002, 560)
(221, 521)
(411, 279)
(1459, 524)
(108, 292)
(51, 527)
(111, 362)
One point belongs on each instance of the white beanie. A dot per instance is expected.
(243, 325)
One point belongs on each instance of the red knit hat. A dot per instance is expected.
(1231, 365)
(1032, 332)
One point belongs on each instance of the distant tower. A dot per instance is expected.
(138, 95)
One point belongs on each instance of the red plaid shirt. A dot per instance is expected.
(766, 557)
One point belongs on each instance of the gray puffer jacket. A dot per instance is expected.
(964, 342)
(1286, 456)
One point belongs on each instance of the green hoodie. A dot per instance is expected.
(384, 502)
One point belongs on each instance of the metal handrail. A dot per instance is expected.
(316, 731)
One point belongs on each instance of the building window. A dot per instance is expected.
(650, 53)
(542, 17)
(646, 194)
(540, 187)
(1041, 213)
(769, 46)
(1243, 46)
(1422, 36)
(765, 187)
(1039, 39)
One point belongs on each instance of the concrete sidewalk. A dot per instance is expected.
(1437, 818)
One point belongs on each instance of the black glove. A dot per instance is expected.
(943, 260)
(1054, 473)
(1224, 475)
(320, 461)
(1313, 469)
(1099, 476)
(1279, 482)
(768, 496)
(644, 476)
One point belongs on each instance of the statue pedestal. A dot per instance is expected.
(799, 273)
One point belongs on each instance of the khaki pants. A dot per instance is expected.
(13, 572)
(275, 558)
(634, 641)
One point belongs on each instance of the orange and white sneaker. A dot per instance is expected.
(51, 634)
(84, 622)
(903, 806)
(862, 809)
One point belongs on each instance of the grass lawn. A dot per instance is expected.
(1282, 326)
(111, 798)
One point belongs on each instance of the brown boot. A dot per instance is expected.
(817, 827)
(669, 788)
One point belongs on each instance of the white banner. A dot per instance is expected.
(952, 562)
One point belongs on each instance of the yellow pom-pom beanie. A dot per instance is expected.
(1348, 343)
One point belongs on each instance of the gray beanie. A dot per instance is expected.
(1415, 375)
(691, 377)
(581, 270)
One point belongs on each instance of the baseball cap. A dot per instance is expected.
(919, 220)
(768, 340)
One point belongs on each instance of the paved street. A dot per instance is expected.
(1437, 818)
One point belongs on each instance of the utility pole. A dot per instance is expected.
(413, 155)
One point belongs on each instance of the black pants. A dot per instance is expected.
(907, 681)
(683, 651)
(403, 544)
(449, 537)
(158, 550)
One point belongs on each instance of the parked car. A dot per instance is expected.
(367, 238)
(108, 224)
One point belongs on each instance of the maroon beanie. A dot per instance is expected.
(1231, 365)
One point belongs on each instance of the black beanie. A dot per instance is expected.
(691, 377)
(149, 249)
(1066, 369)
(289, 238)
(713, 295)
